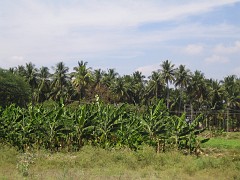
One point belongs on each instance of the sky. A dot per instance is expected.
(127, 35)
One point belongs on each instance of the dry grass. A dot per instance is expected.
(95, 163)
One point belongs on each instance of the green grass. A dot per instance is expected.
(223, 143)
(96, 163)
(227, 141)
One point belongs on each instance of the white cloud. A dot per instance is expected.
(221, 49)
(42, 31)
(216, 59)
(147, 70)
(127, 55)
(193, 49)
(107, 13)
(17, 58)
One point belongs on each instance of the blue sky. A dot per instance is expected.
(127, 35)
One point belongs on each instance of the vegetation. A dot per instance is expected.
(96, 163)
(117, 122)
(100, 125)
(13, 89)
(224, 141)
(183, 91)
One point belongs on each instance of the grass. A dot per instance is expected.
(229, 141)
(220, 160)
(223, 143)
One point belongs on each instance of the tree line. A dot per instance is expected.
(181, 90)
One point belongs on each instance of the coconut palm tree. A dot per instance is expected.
(197, 92)
(168, 73)
(31, 77)
(20, 70)
(43, 84)
(109, 77)
(182, 80)
(60, 80)
(81, 79)
(232, 98)
(119, 89)
(215, 101)
(216, 94)
(97, 78)
(138, 77)
(99, 86)
(155, 84)
(138, 86)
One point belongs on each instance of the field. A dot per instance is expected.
(220, 160)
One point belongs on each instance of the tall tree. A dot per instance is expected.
(60, 80)
(99, 87)
(31, 77)
(20, 70)
(81, 78)
(155, 84)
(43, 84)
(232, 98)
(97, 78)
(109, 77)
(215, 102)
(197, 90)
(216, 94)
(118, 87)
(139, 86)
(182, 80)
(232, 91)
(168, 73)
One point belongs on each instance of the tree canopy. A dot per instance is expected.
(13, 89)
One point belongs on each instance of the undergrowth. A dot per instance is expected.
(97, 163)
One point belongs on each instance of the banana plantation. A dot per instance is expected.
(97, 124)
(69, 109)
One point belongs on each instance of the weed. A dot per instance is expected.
(96, 163)
(25, 160)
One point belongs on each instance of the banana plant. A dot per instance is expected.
(53, 127)
(129, 132)
(184, 135)
(194, 145)
(179, 131)
(155, 125)
(11, 118)
(83, 124)
(109, 119)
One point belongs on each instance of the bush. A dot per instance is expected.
(13, 89)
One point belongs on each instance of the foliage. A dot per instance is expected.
(182, 91)
(13, 89)
(185, 133)
(130, 114)
(104, 125)
(156, 124)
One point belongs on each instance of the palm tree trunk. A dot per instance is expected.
(156, 92)
(180, 103)
(227, 119)
(32, 95)
(167, 96)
